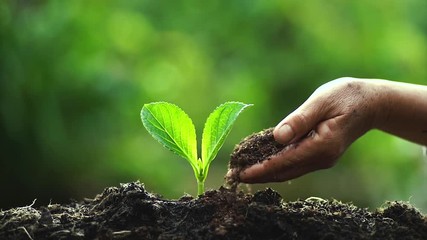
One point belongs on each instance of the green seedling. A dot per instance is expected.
(172, 127)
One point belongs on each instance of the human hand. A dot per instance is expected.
(320, 130)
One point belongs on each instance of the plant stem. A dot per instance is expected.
(200, 187)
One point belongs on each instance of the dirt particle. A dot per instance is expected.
(253, 149)
(268, 196)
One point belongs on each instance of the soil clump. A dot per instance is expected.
(253, 149)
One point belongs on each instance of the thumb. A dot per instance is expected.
(299, 123)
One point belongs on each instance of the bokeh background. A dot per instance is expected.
(75, 74)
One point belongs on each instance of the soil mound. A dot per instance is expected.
(130, 212)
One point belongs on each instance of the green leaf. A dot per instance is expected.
(217, 127)
(172, 127)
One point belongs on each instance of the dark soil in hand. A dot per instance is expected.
(253, 149)
(130, 212)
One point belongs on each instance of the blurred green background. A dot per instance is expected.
(75, 74)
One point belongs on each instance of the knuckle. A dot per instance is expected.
(301, 123)
(344, 79)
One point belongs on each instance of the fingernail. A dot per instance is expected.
(286, 134)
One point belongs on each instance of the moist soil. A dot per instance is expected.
(253, 149)
(130, 212)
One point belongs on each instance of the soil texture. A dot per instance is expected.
(253, 149)
(130, 212)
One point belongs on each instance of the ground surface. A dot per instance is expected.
(130, 212)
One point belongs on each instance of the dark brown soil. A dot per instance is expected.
(253, 149)
(130, 212)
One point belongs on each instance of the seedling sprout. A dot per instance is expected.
(172, 127)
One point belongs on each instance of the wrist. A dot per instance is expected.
(380, 102)
(373, 102)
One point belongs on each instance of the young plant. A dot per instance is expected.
(172, 127)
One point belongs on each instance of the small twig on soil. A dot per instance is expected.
(26, 232)
(32, 204)
(121, 234)
(183, 219)
(315, 199)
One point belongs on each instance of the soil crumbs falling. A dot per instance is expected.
(130, 212)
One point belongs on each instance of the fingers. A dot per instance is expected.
(277, 170)
(326, 102)
(337, 114)
(256, 174)
(300, 122)
(274, 170)
(319, 150)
